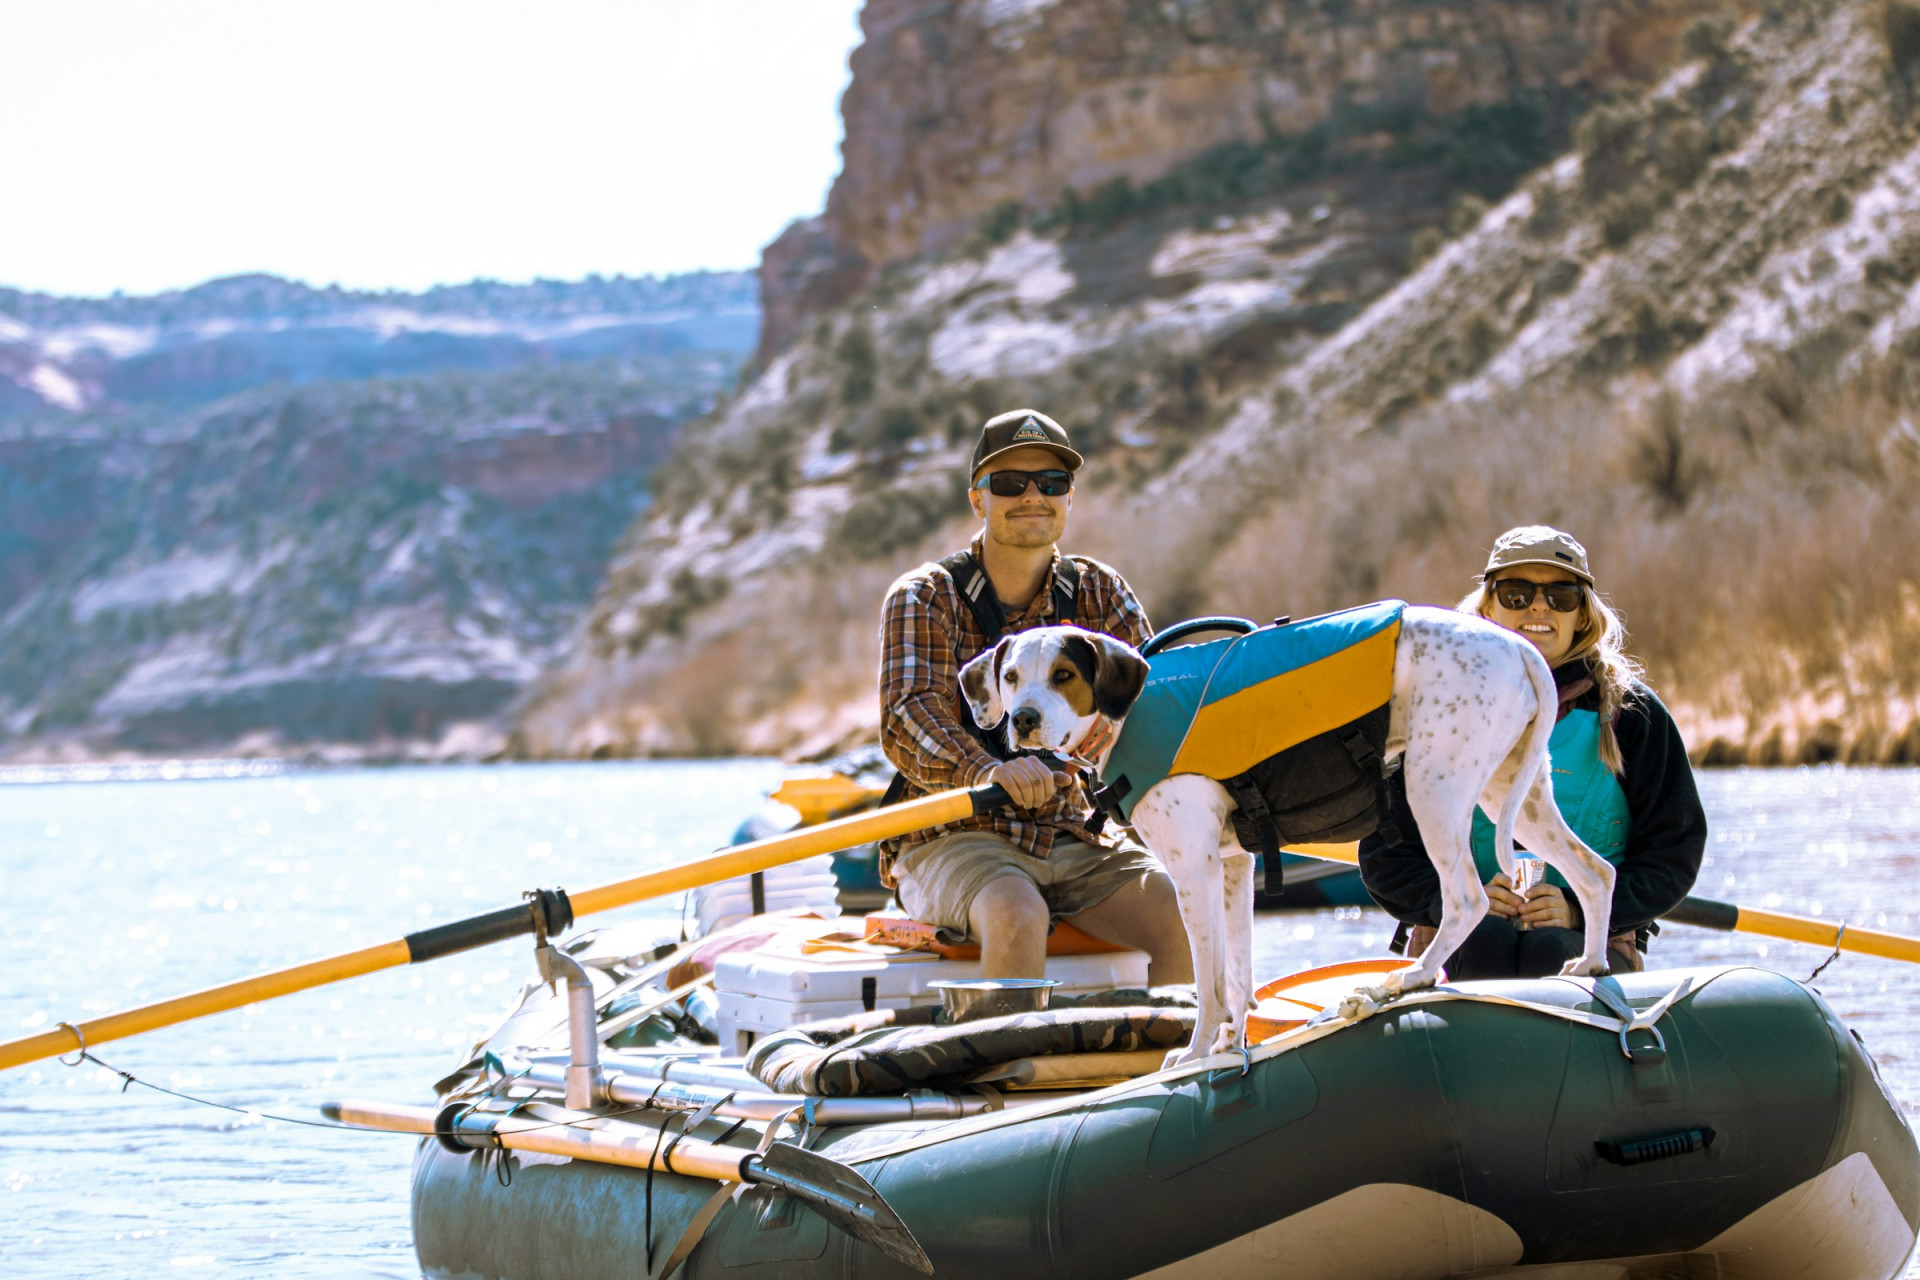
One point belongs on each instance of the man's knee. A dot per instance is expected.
(1007, 906)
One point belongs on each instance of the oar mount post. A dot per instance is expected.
(586, 1080)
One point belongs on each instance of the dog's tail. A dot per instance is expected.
(1546, 696)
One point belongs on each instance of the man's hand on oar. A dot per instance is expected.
(546, 912)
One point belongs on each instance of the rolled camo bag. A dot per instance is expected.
(851, 1056)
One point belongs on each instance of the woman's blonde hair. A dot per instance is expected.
(1600, 638)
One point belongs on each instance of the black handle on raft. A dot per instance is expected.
(990, 797)
(1705, 913)
(1193, 627)
(1647, 1150)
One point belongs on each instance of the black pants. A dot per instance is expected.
(1495, 949)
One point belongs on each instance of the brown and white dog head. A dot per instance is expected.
(1051, 685)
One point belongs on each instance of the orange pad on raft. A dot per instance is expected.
(897, 930)
(1287, 1003)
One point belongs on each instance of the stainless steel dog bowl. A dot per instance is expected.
(992, 997)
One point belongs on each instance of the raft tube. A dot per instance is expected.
(1500, 1130)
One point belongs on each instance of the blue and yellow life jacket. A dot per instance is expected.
(1291, 719)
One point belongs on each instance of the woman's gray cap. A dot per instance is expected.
(1538, 544)
(1019, 429)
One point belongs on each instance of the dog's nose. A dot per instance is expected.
(1025, 721)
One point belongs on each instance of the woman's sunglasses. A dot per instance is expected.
(1516, 594)
(1011, 484)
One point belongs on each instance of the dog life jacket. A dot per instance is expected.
(1291, 719)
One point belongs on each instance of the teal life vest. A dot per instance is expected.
(1590, 797)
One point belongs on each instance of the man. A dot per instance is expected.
(1002, 878)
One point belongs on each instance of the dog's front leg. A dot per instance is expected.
(1180, 819)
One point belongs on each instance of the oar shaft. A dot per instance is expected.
(198, 1004)
(554, 1132)
(745, 859)
(511, 922)
(1729, 917)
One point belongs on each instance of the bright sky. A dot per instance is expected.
(405, 143)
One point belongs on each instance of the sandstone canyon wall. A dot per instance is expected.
(1645, 271)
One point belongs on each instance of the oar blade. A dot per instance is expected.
(842, 1197)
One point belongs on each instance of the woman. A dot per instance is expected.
(1620, 775)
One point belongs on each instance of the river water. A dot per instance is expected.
(125, 890)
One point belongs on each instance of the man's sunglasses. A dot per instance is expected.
(1517, 594)
(1011, 484)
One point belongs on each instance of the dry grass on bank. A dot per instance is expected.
(1764, 547)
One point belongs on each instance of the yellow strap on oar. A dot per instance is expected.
(550, 911)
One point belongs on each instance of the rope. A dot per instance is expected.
(1821, 968)
(128, 1079)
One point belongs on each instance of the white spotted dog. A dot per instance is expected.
(1471, 709)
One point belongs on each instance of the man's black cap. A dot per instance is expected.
(1017, 430)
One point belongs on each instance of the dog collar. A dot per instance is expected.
(1099, 738)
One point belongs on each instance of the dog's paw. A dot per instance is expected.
(1226, 1039)
(1361, 1003)
(1581, 967)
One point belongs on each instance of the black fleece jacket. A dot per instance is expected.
(1662, 856)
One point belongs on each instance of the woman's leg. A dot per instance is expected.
(1490, 951)
(1542, 952)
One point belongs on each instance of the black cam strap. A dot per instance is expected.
(1368, 759)
(1253, 805)
(1106, 804)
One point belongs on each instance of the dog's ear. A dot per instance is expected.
(980, 683)
(1119, 672)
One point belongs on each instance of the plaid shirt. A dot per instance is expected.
(927, 633)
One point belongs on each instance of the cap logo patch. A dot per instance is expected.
(1561, 555)
(1030, 430)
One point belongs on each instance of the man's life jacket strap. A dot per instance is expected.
(970, 576)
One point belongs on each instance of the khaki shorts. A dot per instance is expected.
(939, 880)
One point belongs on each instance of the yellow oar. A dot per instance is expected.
(1728, 917)
(548, 911)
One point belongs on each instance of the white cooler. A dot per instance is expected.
(762, 991)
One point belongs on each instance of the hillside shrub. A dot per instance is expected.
(1900, 29)
(859, 364)
(890, 519)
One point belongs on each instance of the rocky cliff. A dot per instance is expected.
(1648, 273)
(325, 560)
(1004, 108)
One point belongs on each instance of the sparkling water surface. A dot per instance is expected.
(128, 889)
